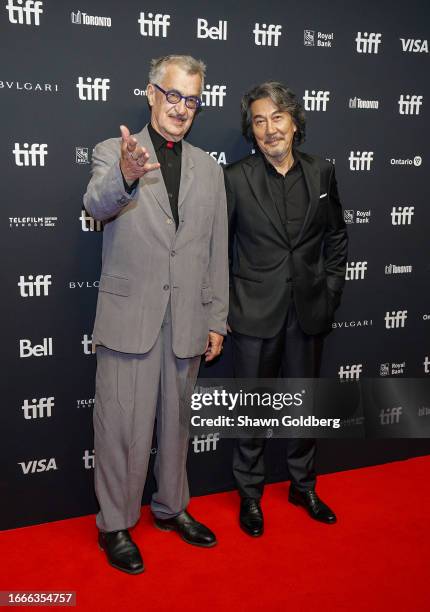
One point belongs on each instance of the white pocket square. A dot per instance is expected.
(323, 195)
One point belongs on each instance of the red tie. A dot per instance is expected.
(170, 144)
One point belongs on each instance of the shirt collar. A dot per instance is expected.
(160, 142)
(272, 170)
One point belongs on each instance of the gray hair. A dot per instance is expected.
(284, 99)
(188, 63)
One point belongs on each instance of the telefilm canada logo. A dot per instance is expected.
(313, 38)
(32, 222)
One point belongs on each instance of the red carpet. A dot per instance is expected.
(375, 558)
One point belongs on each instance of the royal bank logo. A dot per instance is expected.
(220, 158)
(154, 25)
(414, 45)
(24, 12)
(368, 42)
(205, 442)
(355, 270)
(15, 222)
(353, 324)
(267, 35)
(359, 103)
(357, 216)
(394, 269)
(392, 369)
(395, 319)
(320, 39)
(87, 344)
(316, 100)
(38, 465)
(350, 372)
(88, 458)
(38, 408)
(218, 32)
(426, 364)
(26, 349)
(34, 286)
(93, 90)
(30, 155)
(29, 86)
(88, 223)
(416, 161)
(213, 95)
(82, 155)
(80, 18)
(409, 104)
(402, 215)
(390, 416)
(360, 160)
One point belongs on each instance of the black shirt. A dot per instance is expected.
(169, 156)
(290, 195)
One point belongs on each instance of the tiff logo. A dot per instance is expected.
(426, 364)
(93, 90)
(390, 416)
(409, 104)
(214, 33)
(267, 35)
(214, 95)
(395, 319)
(38, 350)
(316, 100)
(89, 459)
(89, 224)
(34, 286)
(38, 465)
(204, 443)
(153, 25)
(355, 270)
(350, 372)
(368, 43)
(87, 343)
(38, 409)
(360, 161)
(33, 155)
(402, 215)
(22, 12)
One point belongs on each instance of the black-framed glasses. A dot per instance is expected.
(173, 97)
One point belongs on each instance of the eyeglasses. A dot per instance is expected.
(174, 97)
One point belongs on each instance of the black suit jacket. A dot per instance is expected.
(262, 259)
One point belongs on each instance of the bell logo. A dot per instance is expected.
(410, 104)
(368, 43)
(94, 90)
(214, 33)
(154, 25)
(214, 95)
(316, 100)
(30, 155)
(402, 215)
(24, 14)
(38, 350)
(360, 161)
(38, 465)
(34, 286)
(350, 372)
(267, 35)
(89, 224)
(355, 270)
(395, 319)
(38, 409)
(205, 443)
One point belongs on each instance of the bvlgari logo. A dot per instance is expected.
(30, 86)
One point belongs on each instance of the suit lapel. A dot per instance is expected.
(154, 179)
(256, 176)
(187, 173)
(311, 172)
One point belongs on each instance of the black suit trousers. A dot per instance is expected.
(290, 354)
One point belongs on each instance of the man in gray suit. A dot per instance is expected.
(163, 300)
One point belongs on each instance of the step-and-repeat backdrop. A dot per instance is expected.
(71, 73)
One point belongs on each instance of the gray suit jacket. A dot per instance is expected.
(145, 261)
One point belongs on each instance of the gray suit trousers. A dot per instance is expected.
(132, 390)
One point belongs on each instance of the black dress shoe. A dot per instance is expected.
(121, 551)
(190, 530)
(251, 517)
(316, 508)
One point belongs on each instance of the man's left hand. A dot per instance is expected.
(213, 346)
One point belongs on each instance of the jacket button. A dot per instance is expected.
(166, 287)
(173, 253)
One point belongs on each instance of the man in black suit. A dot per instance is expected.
(288, 250)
